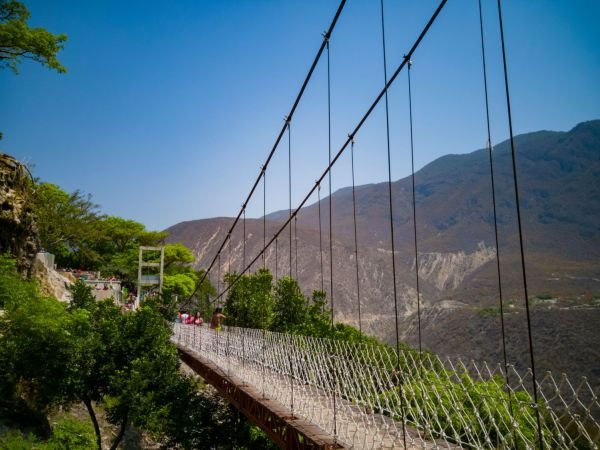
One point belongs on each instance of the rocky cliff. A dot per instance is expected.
(17, 223)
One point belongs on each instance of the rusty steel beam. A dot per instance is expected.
(277, 421)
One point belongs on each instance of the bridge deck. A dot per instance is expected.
(295, 414)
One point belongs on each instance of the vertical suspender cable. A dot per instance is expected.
(494, 209)
(296, 244)
(414, 205)
(355, 236)
(331, 234)
(290, 188)
(229, 254)
(522, 253)
(219, 276)
(264, 173)
(320, 235)
(389, 163)
(329, 178)
(244, 244)
(264, 216)
(276, 258)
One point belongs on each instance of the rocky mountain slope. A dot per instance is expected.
(559, 181)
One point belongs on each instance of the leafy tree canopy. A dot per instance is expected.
(18, 40)
(253, 301)
(180, 284)
(117, 235)
(290, 306)
(250, 300)
(66, 223)
(177, 253)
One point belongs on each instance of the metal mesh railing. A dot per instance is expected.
(367, 396)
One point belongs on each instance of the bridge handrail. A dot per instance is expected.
(426, 398)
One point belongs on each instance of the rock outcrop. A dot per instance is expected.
(17, 222)
(448, 270)
(52, 283)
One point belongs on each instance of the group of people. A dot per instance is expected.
(191, 319)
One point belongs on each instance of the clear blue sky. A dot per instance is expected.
(169, 108)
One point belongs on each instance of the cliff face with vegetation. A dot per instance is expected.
(17, 222)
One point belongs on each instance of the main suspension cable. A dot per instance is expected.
(520, 227)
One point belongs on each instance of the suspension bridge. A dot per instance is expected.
(309, 393)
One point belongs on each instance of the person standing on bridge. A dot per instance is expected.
(217, 317)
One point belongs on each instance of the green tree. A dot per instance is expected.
(13, 289)
(177, 253)
(117, 235)
(66, 223)
(290, 306)
(82, 297)
(126, 362)
(317, 320)
(19, 41)
(180, 279)
(36, 347)
(250, 300)
(180, 284)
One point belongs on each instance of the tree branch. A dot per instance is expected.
(12, 53)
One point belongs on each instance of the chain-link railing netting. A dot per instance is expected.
(368, 396)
